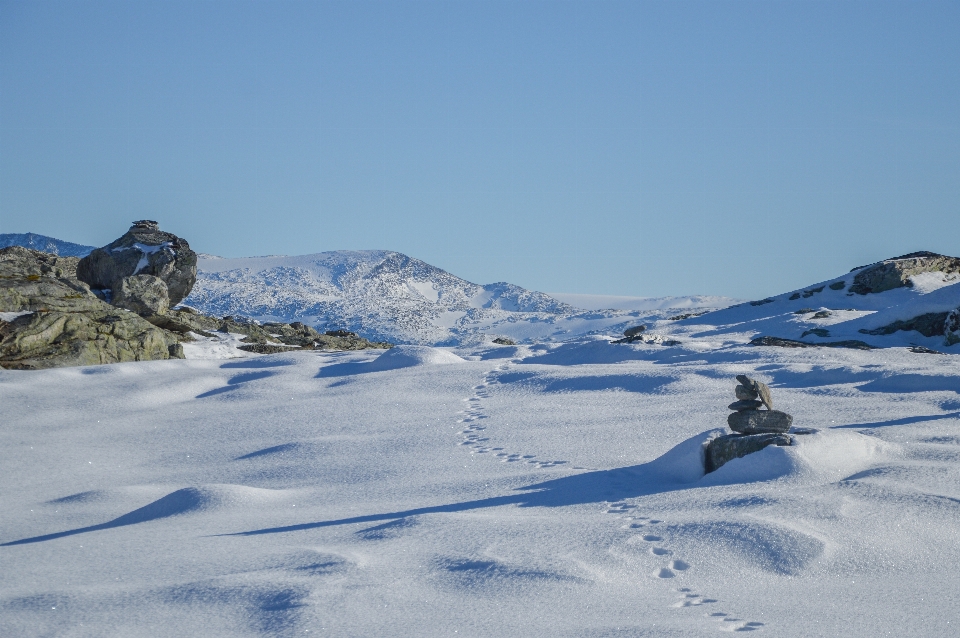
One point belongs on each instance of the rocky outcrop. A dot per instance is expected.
(143, 250)
(931, 324)
(896, 272)
(142, 294)
(855, 344)
(951, 328)
(62, 323)
(57, 339)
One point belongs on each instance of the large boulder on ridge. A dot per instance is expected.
(143, 250)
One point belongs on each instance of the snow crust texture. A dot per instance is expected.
(535, 490)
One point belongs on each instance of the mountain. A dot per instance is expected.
(386, 295)
(44, 243)
(910, 300)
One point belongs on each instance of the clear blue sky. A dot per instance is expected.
(634, 148)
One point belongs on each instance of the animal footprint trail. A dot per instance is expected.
(473, 433)
(675, 567)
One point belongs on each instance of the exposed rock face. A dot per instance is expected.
(932, 324)
(32, 280)
(143, 250)
(951, 327)
(733, 446)
(503, 341)
(855, 344)
(759, 421)
(896, 272)
(142, 294)
(67, 325)
(57, 339)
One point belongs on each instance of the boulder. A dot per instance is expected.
(723, 449)
(896, 272)
(142, 294)
(32, 280)
(759, 421)
(951, 327)
(57, 339)
(634, 331)
(143, 250)
(503, 341)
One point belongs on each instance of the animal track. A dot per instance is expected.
(675, 568)
(473, 432)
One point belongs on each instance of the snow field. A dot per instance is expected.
(550, 490)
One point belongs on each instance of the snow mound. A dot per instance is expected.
(410, 356)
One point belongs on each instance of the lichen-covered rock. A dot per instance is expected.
(33, 280)
(57, 339)
(142, 294)
(759, 421)
(143, 250)
(723, 449)
(896, 272)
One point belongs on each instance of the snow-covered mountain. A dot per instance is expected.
(388, 295)
(44, 243)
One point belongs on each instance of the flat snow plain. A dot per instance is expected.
(546, 490)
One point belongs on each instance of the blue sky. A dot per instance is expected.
(635, 148)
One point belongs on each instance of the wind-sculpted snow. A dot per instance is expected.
(551, 489)
(389, 296)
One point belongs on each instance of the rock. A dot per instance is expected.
(143, 250)
(896, 272)
(142, 294)
(951, 328)
(759, 421)
(823, 314)
(503, 341)
(933, 324)
(723, 449)
(838, 285)
(633, 332)
(745, 393)
(759, 387)
(819, 332)
(339, 333)
(856, 344)
(745, 404)
(32, 280)
(265, 348)
(57, 339)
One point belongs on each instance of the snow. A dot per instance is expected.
(10, 316)
(551, 489)
(603, 302)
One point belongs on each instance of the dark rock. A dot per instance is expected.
(793, 343)
(759, 387)
(746, 393)
(932, 324)
(745, 404)
(724, 449)
(142, 294)
(951, 328)
(503, 341)
(820, 332)
(823, 314)
(923, 350)
(811, 292)
(896, 272)
(143, 250)
(687, 315)
(265, 348)
(340, 333)
(762, 301)
(759, 421)
(794, 296)
(838, 285)
(803, 311)
(176, 351)
(634, 331)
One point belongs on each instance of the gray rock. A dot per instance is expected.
(503, 341)
(745, 393)
(759, 421)
(143, 250)
(896, 272)
(764, 391)
(745, 404)
(32, 280)
(58, 339)
(951, 328)
(723, 449)
(634, 331)
(142, 294)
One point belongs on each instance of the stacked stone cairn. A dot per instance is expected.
(754, 429)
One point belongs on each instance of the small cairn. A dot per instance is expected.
(754, 429)
(748, 418)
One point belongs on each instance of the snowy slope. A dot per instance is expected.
(45, 244)
(390, 296)
(546, 490)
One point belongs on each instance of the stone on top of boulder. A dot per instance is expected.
(142, 250)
